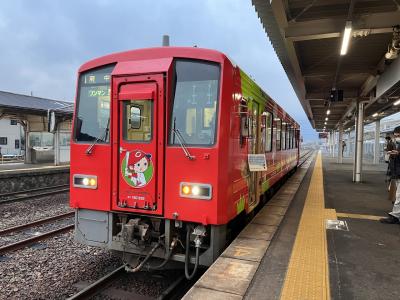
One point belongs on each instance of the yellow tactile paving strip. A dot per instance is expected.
(307, 276)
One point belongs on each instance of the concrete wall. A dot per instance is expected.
(17, 180)
(13, 133)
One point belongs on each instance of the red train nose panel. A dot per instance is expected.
(138, 144)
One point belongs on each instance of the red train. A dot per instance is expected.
(170, 146)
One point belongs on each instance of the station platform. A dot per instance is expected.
(319, 237)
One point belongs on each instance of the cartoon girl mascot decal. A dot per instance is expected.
(138, 168)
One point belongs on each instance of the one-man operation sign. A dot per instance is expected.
(257, 162)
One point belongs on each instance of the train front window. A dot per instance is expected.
(195, 103)
(93, 106)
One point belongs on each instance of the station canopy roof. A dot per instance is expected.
(12, 104)
(307, 37)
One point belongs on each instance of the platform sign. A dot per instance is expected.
(323, 135)
(257, 162)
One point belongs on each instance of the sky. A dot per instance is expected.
(44, 42)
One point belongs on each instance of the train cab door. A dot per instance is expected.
(254, 145)
(140, 167)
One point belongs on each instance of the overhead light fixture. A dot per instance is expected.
(328, 111)
(375, 115)
(325, 123)
(326, 119)
(346, 38)
(397, 102)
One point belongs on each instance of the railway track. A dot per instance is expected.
(28, 241)
(99, 286)
(303, 158)
(33, 193)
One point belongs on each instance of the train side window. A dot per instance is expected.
(278, 123)
(268, 132)
(283, 139)
(137, 122)
(293, 138)
(289, 137)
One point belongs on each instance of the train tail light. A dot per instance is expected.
(195, 190)
(85, 181)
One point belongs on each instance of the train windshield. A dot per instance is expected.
(93, 106)
(195, 103)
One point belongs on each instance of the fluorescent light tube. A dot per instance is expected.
(346, 38)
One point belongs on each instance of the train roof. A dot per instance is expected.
(154, 53)
(165, 52)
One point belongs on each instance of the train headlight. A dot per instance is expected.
(185, 190)
(195, 190)
(85, 181)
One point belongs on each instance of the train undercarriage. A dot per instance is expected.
(137, 238)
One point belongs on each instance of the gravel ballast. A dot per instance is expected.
(26, 211)
(50, 273)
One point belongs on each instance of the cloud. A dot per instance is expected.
(45, 42)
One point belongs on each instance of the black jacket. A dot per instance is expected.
(394, 164)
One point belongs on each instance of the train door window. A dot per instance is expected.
(135, 117)
(268, 132)
(137, 123)
(278, 123)
(289, 137)
(283, 139)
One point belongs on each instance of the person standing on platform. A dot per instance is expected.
(390, 145)
(343, 147)
(394, 167)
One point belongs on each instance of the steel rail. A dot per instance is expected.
(36, 223)
(172, 288)
(33, 190)
(102, 283)
(26, 242)
(305, 156)
(98, 285)
(57, 191)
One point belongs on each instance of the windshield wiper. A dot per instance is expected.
(181, 141)
(102, 137)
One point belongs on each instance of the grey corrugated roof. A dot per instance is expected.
(12, 100)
